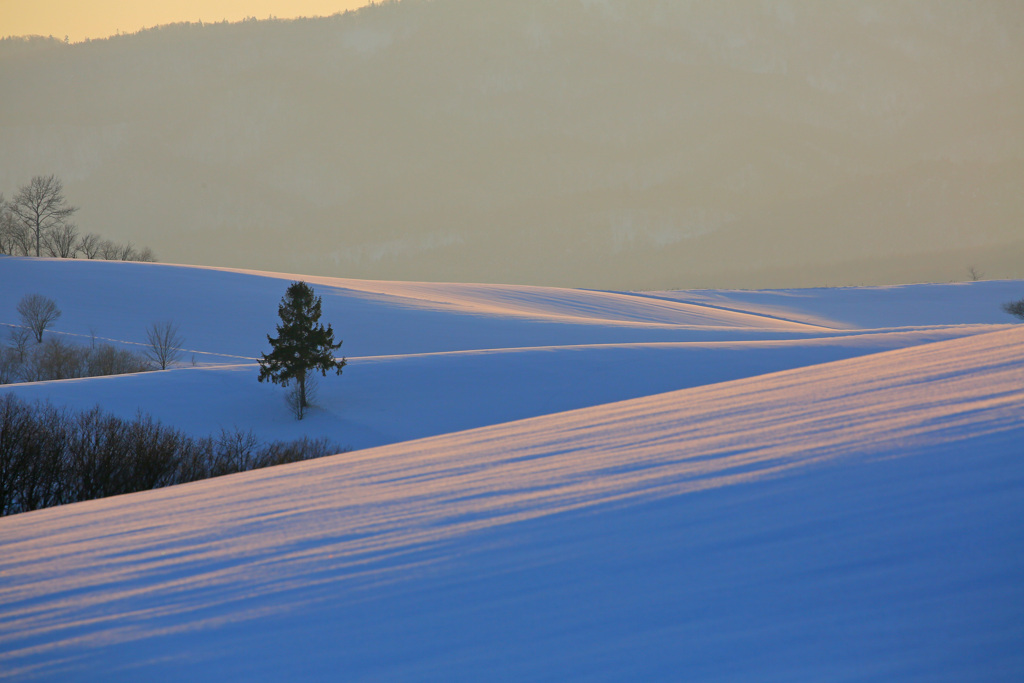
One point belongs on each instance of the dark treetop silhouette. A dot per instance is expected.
(302, 345)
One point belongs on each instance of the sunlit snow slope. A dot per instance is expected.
(428, 359)
(855, 520)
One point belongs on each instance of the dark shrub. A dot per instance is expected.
(50, 456)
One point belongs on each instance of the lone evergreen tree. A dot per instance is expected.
(302, 345)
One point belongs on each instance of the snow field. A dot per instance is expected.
(427, 359)
(734, 503)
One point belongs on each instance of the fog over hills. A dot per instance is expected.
(615, 144)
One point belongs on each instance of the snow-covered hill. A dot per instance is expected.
(789, 485)
(427, 359)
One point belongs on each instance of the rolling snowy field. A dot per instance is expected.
(548, 485)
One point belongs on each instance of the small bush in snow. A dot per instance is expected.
(1015, 308)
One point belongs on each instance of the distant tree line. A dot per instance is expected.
(54, 358)
(36, 221)
(27, 357)
(51, 456)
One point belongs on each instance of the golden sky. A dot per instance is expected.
(81, 19)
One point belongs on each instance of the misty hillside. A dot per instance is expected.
(648, 144)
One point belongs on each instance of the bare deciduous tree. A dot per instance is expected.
(108, 250)
(975, 273)
(164, 343)
(112, 251)
(41, 207)
(107, 359)
(6, 234)
(37, 220)
(37, 312)
(14, 238)
(55, 359)
(145, 254)
(62, 241)
(126, 252)
(89, 245)
(19, 342)
(9, 365)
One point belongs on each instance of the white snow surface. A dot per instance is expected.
(549, 485)
(427, 359)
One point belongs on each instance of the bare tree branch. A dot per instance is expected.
(146, 255)
(14, 236)
(164, 343)
(126, 252)
(19, 342)
(89, 245)
(6, 221)
(37, 312)
(62, 241)
(108, 250)
(40, 207)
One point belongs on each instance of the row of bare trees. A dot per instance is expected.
(28, 358)
(37, 222)
(51, 456)
(55, 358)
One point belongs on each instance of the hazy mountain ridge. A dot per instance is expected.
(548, 142)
